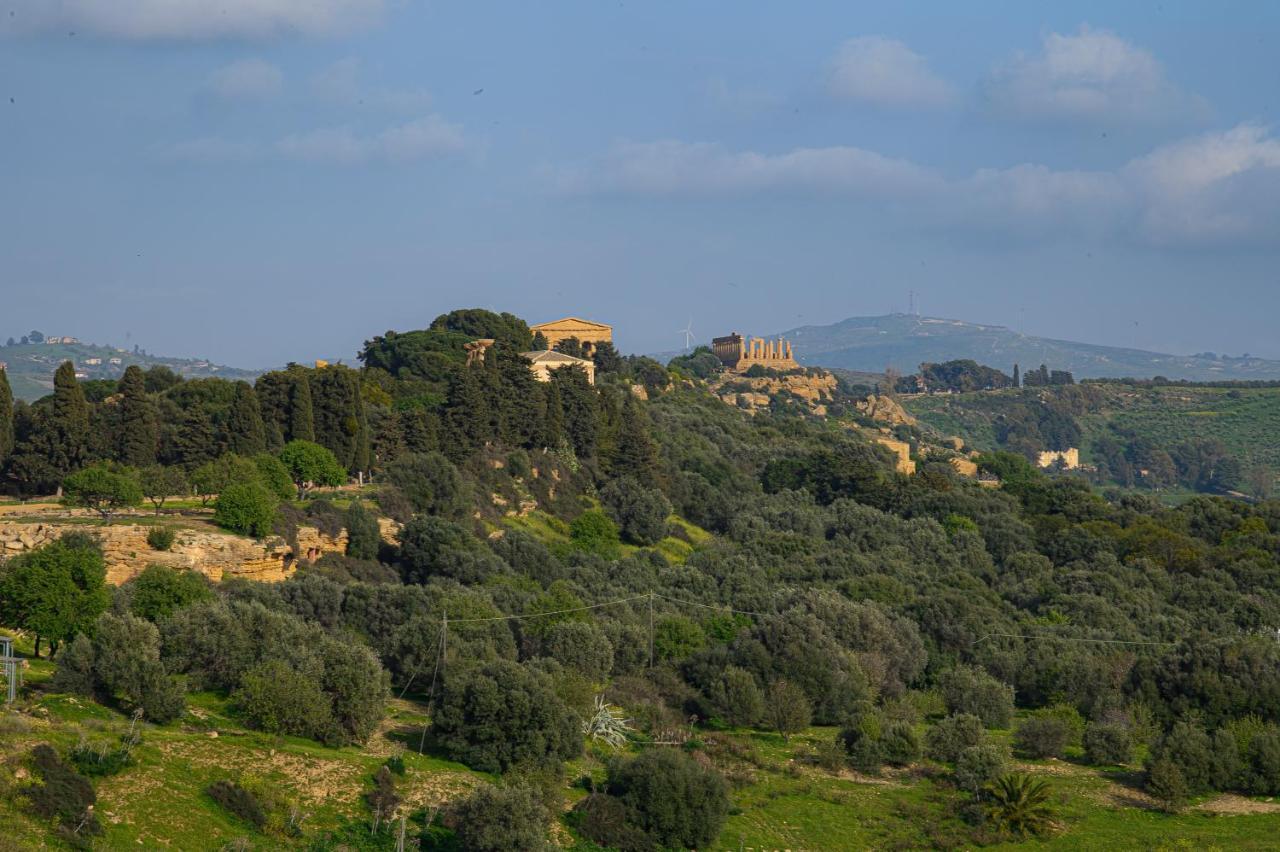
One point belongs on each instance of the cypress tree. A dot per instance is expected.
(243, 433)
(273, 390)
(1017, 380)
(301, 412)
(139, 430)
(466, 420)
(581, 409)
(421, 430)
(339, 415)
(6, 415)
(68, 422)
(194, 444)
(523, 404)
(553, 421)
(636, 454)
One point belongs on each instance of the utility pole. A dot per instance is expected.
(651, 630)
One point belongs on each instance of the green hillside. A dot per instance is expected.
(1244, 420)
(904, 341)
(30, 366)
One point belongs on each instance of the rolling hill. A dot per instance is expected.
(31, 366)
(903, 341)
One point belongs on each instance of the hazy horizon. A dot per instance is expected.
(271, 182)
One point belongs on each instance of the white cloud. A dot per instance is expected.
(252, 79)
(191, 19)
(1092, 75)
(885, 72)
(681, 168)
(1215, 189)
(425, 137)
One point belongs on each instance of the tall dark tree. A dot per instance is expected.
(243, 433)
(6, 415)
(466, 419)
(581, 409)
(636, 454)
(421, 430)
(273, 400)
(301, 411)
(553, 420)
(194, 444)
(339, 415)
(67, 425)
(1017, 378)
(139, 430)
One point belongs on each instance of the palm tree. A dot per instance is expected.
(1019, 804)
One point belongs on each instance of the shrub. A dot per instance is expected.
(945, 740)
(496, 715)
(247, 508)
(499, 819)
(788, 708)
(430, 482)
(1260, 773)
(277, 698)
(383, 798)
(582, 647)
(979, 765)
(1166, 784)
(594, 532)
(273, 474)
(364, 537)
(899, 744)
(675, 637)
(75, 668)
(641, 513)
(62, 793)
(435, 547)
(676, 801)
(100, 760)
(1107, 743)
(104, 489)
(1188, 747)
(969, 689)
(238, 801)
(737, 697)
(1042, 736)
(603, 819)
(158, 591)
(160, 538)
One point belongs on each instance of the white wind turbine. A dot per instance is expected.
(687, 331)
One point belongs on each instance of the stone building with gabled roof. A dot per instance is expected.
(544, 361)
(586, 332)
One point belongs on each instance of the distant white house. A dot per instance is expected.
(82, 375)
(116, 361)
(93, 362)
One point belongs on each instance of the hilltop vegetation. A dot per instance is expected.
(31, 362)
(625, 623)
(1200, 437)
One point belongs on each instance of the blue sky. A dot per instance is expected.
(256, 181)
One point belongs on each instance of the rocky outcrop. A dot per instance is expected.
(884, 409)
(754, 394)
(214, 554)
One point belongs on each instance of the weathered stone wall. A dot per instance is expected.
(814, 390)
(1070, 458)
(214, 554)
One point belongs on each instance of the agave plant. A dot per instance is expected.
(607, 724)
(1019, 804)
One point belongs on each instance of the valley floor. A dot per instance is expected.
(782, 799)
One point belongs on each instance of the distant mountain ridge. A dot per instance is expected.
(904, 341)
(30, 366)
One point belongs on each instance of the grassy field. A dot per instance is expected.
(782, 799)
